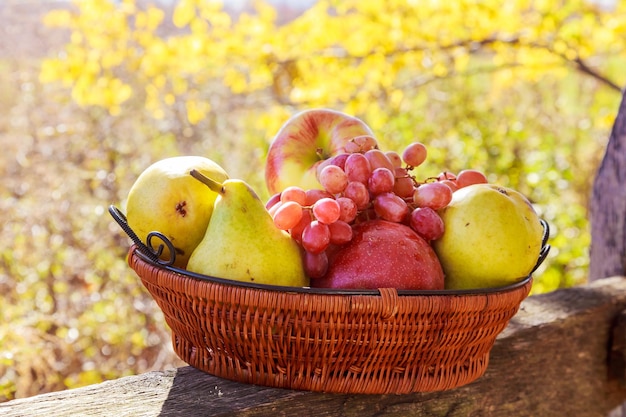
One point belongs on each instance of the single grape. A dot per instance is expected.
(333, 179)
(293, 193)
(357, 192)
(287, 215)
(378, 159)
(381, 181)
(340, 160)
(327, 210)
(340, 232)
(320, 165)
(390, 207)
(315, 264)
(366, 142)
(427, 223)
(272, 200)
(404, 185)
(395, 158)
(351, 147)
(469, 177)
(414, 154)
(274, 207)
(432, 194)
(451, 184)
(315, 194)
(315, 237)
(446, 175)
(348, 209)
(296, 231)
(357, 168)
(361, 144)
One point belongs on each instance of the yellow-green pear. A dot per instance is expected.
(166, 199)
(242, 243)
(492, 237)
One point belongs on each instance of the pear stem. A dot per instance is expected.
(212, 184)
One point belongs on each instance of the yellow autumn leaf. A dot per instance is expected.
(184, 13)
(179, 85)
(120, 91)
(51, 70)
(150, 19)
(235, 80)
(82, 90)
(213, 12)
(396, 97)
(112, 58)
(58, 18)
(461, 61)
(439, 69)
(197, 110)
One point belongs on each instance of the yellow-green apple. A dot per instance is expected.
(492, 237)
(165, 198)
(383, 254)
(304, 141)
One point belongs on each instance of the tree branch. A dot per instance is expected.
(472, 46)
(584, 68)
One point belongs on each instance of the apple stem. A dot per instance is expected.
(218, 187)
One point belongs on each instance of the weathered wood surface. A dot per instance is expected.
(608, 205)
(552, 360)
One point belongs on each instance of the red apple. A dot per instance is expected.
(304, 141)
(383, 254)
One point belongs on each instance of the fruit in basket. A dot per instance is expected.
(492, 237)
(306, 140)
(383, 254)
(358, 185)
(166, 199)
(241, 242)
(355, 183)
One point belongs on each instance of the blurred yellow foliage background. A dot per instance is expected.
(524, 90)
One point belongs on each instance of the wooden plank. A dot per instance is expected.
(552, 360)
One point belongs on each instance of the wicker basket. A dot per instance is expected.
(346, 341)
(377, 341)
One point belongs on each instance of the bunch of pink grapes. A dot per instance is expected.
(361, 184)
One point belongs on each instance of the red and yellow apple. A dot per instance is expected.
(306, 140)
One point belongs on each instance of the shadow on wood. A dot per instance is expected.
(552, 360)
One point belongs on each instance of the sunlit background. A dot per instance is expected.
(93, 91)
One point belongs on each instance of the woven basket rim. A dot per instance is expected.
(323, 291)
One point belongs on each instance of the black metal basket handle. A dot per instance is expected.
(148, 250)
(545, 248)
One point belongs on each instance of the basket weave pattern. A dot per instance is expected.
(383, 343)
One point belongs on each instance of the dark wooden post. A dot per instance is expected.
(608, 212)
(608, 206)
